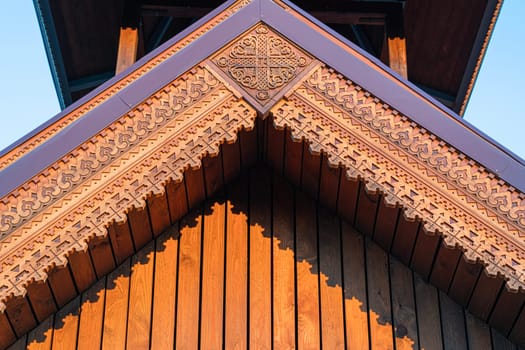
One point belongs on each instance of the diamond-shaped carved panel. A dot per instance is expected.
(262, 63)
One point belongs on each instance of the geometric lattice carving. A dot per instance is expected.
(262, 63)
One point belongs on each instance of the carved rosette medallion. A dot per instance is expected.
(262, 63)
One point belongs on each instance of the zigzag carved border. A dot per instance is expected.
(433, 182)
(116, 170)
(130, 160)
(103, 96)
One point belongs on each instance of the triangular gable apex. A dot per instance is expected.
(371, 136)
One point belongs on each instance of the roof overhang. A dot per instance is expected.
(90, 165)
(455, 56)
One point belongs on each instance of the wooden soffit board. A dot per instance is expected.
(68, 182)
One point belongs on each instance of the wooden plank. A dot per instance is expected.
(7, 335)
(213, 276)
(121, 241)
(140, 227)
(187, 323)
(194, 187)
(404, 239)
(275, 148)
(82, 270)
(41, 299)
(452, 324)
(425, 250)
(465, 279)
(385, 227)
(354, 281)
(307, 266)
(262, 138)
(248, 141)
(92, 316)
(397, 56)
(506, 310)
(444, 267)
(165, 289)
(283, 265)
(116, 308)
(177, 202)
(366, 212)
(236, 298)
(231, 160)
(159, 214)
(379, 308)
(212, 167)
(310, 172)
(478, 333)
(517, 334)
(428, 317)
(260, 287)
(62, 285)
(140, 298)
(66, 326)
(330, 281)
(347, 201)
(127, 48)
(293, 159)
(329, 185)
(484, 295)
(102, 255)
(499, 342)
(20, 315)
(403, 306)
(20, 344)
(40, 338)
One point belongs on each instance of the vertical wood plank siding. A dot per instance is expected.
(262, 266)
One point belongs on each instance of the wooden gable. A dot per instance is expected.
(90, 188)
(257, 265)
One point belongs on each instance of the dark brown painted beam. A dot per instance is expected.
(369, 14)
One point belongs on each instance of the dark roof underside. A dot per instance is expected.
(444, 37)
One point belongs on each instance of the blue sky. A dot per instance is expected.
(27, 96)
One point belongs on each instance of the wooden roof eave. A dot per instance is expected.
(302, 29)
(347, 60)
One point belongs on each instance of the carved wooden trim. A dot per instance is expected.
(62, 208)
(103, 96)
(453, 195)
(261, 63)
(99, 182)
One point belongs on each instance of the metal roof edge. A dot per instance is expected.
(478, 52)
(399, 93)
(337, 52)
(53, 53)
(110, 82)
(109, 111)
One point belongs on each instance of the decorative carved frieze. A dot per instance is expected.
(115, 171)
(262, 63)
(412, 168)
(61, 209)
(103, 96)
